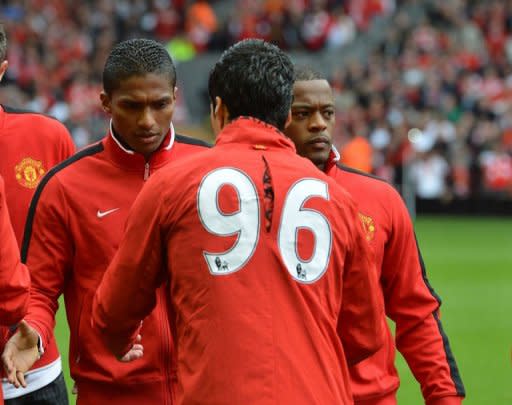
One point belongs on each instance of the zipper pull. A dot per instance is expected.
(146, 171)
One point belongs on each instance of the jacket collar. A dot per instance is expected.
(134, 161)
(251, 131)
(334, 157)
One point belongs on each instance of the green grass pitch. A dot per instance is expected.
(469, 264)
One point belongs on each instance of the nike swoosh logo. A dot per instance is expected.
(101, 214)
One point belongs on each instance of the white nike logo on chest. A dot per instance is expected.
(101, 214)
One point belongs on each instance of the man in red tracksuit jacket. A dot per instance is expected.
(14, 276)
(267, 264)
(404, 289)
(77, 217)
(30, 145)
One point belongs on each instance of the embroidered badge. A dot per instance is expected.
(29, 172)
(368, 226)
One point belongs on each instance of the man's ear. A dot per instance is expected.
(220, 112)
(105, 102)
(217, 106)
(288, 119)
(3, 68)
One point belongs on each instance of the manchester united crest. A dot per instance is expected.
(29, 172)
(368, 226)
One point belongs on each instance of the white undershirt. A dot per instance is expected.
(35, 380)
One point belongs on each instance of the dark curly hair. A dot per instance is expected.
(136, 57)
(254, 78)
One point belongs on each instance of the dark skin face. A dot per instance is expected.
(312, 120)
(141, 109)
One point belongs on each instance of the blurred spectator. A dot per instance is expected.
(342, 30)
(429, 173)
(357, 153)
(200, 24)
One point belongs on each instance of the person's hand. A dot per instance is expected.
(20, 353)
(136, 352)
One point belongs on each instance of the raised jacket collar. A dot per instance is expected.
(132, 160)
(251, 131)
(334, 158)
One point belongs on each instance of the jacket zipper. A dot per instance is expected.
(146, 171)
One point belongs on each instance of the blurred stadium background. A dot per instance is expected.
(423, 98)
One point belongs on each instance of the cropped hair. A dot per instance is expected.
(307, 73)
(254, 78)
(136, 57)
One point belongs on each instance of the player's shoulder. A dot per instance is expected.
(43, 124)
(188, 143)
(185, 150)
(72, 165)
(351, 179)
(187, 164)
(31, 116)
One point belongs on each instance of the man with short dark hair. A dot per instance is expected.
(268, 269)
(404, 289)
(75, 223)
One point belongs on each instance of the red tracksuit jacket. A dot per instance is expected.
(75, 223)
(30, 145)
(14, 276)
(407, 296)
(265, 274)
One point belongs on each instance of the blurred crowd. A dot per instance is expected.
(57, 48)
(432, 104)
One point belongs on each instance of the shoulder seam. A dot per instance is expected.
(359, 172)
(12, 110)
(191, 141)
(91, 150)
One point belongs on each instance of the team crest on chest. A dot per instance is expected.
(29, 172)
(368, 226)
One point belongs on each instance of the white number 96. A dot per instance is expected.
(245, 223)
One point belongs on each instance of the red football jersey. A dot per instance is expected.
(407, 296)
(30, 145)
(268, 271)
(74, 226)
(14, 276)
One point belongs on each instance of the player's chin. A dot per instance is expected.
(319, 156)
(145, 145)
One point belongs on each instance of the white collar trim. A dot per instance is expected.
(336, 153)
(131, 152)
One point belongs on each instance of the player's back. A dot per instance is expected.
(258, 239)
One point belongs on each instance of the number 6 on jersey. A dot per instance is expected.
(245, 223)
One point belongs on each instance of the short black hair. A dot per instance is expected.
(254, 78)
(136, 57)
(3, 43)
(305, 73)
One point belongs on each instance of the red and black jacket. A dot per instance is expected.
(75, 223)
